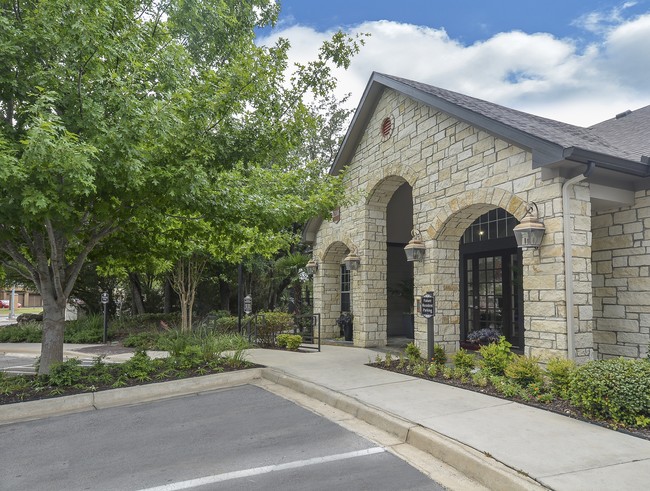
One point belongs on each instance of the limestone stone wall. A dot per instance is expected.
(457, 173)
(621, 279)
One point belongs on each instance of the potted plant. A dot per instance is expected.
(345, 323)
(481, 337)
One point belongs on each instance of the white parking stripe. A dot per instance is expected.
(202, 481)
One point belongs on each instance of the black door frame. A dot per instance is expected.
(504, 247)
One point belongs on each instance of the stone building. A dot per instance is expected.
(461, 173)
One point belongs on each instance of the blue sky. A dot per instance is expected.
(575, 61)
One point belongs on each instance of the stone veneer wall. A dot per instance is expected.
(621, 280)
(457, 173)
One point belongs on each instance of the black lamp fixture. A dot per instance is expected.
(415, 248)
(352, 260)
(530, 231)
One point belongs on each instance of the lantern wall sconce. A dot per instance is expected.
(415, 248)
(352, 260)
(311, 266)
(530, 231)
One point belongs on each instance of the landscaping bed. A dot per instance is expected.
(605, 393)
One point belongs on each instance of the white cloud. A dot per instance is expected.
(537, 73)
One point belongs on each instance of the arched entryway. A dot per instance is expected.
(491, 292)
(334, 289)
(399, 272)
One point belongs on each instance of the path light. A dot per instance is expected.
(352, 260)
(311, 266)
(415, 248)
(530, 231)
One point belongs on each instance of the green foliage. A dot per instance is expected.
(617, 389)
(464, 360)
(273, 324)
(432, 370)
(140, 119)
(559, 372)
(85, 330)
(141, 340)
(496, 356)
(25, 333)
(480, 379)
(419, 368)
(65, 374)
(139, 366)
(289, 341)
(524, 370)
(388, 360)
(227, 324)
(413, 353)
(506, 387)
(439, 355)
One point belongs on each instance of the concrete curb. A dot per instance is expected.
(482, 468)
(26, 411)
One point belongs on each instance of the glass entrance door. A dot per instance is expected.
(491, 296)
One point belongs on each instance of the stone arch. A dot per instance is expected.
(455, 215)
(452, 218)
(327, 290)
(387, 180)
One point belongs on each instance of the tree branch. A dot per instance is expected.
(73, 270)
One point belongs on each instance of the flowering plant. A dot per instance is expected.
(485, 335)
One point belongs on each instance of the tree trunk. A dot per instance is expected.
(53, 327)
(136, 293)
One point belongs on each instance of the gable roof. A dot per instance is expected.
(619, 147)
(617, 144)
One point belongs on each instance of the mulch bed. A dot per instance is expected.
(558, 406)
(68, 391)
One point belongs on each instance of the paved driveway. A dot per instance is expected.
(239, 438)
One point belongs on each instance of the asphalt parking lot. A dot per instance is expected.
(241, 438)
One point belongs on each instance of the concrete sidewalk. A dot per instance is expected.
(499, 443)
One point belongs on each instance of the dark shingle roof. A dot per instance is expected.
(628, 137)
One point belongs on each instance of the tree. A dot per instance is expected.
(115, 113)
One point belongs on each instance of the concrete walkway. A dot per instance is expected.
(500, 443)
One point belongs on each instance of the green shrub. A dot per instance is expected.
(419, 368)
(464, 360)
(439, 355)
(65, 374)
(289, 341)
(559, 372)
(273, 324)
(505, 386)
(190, 357)
(413, 353)
(388, 360)
(139, 366)
(617, 389)
(227, 324)
(25, 333)
(142, 340)
(524, 370)
(496, 356)
(432, 370)
(480, 379)
(85, 330)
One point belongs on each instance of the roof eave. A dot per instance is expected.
(617, 164)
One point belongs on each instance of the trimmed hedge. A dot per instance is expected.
(616, 389)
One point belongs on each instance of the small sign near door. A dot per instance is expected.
(428, 305)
